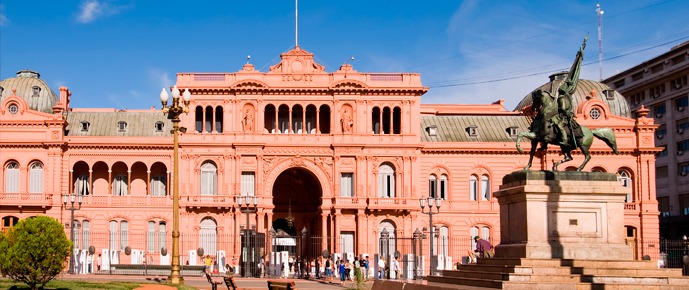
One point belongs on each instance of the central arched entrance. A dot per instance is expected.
(297, 195)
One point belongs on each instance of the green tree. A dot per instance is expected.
(34, 251)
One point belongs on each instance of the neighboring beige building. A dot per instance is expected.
(660, 84)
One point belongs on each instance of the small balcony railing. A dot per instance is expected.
(26, 199)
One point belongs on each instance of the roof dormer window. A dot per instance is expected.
(85, 126)
(512, 131)
(159, 126)
(36, 91)
(609, 94)
(432, 130)
(472, 130)
(121, 126)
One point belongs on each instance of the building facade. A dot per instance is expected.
(335, 157)
(660, 84)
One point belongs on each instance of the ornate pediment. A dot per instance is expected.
(297, 61)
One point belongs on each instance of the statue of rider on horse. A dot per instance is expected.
(555, 124)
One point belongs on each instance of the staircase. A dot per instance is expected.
(563, 274)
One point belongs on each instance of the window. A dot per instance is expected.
(443, 186)
(208, 236)
(610, 95)
(664, 206)
(13, 108)
(485, 187)
(657, 68)
(82, 184)
(209, 119)
(484, 234)
(36, 178)
(151, 236)
(386, 181)
(375, 120)
(594, 113)
(683, 168)
(159, 126)
(158, 185)
(472, 130)
(85, 234)
(637, 76)
(124, 234)
(432, 130)
(155, 236)
(682, 146)
(657, 91)
(12, 177)
(624, 177)
(473, 187)
(347, 242)
(209, 179)
(121, 126)
(661, 131)
(678, 59)
(619, 84)
(661, 171)
(198, 121)
(119, 185)
(682, 125)
(389, 227)
(432, 186)
(85, 126)
(443, 241)
(681, 103)
(662, 153)
(684, 204)
(513, 131)
(679, 82)
(248, 184)
(347, 185)
(472, 233)
(36, 92)
(659, 110)
(112, 241)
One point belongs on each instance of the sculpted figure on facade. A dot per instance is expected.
(248, 120)
(347, 121)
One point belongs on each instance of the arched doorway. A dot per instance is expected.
(297, 195)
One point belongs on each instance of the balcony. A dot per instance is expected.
(348, 201)
(397, 203)
(203, 201)
(126, 200)
(26, 199)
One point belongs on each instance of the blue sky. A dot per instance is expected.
(120, 53)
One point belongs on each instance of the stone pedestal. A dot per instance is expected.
(562, 215)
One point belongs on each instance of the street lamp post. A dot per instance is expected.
(431, 203)
(71, 198)
(249, 203)
(173, 112)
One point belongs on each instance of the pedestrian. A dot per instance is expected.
(484, 248)
(328, 271)
(342, 271)
(98, 261)
(366, 267)
(207, 262)
(396, 268)
(348, 270)
(381, 268)
(261, 268)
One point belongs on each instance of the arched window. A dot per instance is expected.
(198, 119)
(151, 237)
(386, 120)
(124, 234)
(484, 234)
(443, 241)
(82, 184)
(75, 231)
(209, 119)
(473, 232)
(207, 236)
(269, 119)
(209, 179)
(324, 119)
(85, 234)
(112, 244)
(625, 178)
(12, 177)
(386, 181)
(443, 187)
(218, 119)
(158, 185)
(396, 120)
(485, 187)
(36, 178)
(387, 246)
(375, 120)
(473, 187)
(162, 235)
(432, 186)
(119, 185)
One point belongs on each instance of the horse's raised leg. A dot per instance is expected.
(531, 136)
(587, 157)
(531, 153)
(568, 157)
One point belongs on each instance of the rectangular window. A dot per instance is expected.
(682, 146)
(659, 110)
(113, 236)
(684, 204)
(443, 187)
(162, 235)
(664, 206)
(82, 184)
(158, 185)
(86, 234)
(347, 242)
(119, 185)
(485, 188)
(682, 125)
(248, 184)
(473, 188)
(347, 185)
(683, 168)
(151, 237)
(661, 171)
(124, 234)
(11, 180)
(662, 153)
(36, 180)
(208, 182)
(681, 103)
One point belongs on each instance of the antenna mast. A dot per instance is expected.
(600, 12)
(296, 23)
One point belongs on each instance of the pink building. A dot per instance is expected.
(341, 155)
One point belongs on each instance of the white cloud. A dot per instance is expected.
(3, 19)
(161, 79)
(91, 10)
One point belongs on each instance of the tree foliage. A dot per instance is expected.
(34, 251)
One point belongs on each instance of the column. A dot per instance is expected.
(318, 118)
(336, 221)
(148, 182)
(324, 231)
(289, 120)
(129, 182)
(91, 181)
(109, 182)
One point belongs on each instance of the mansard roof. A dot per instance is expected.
(485, 128)
(32, 89)
(100, 123)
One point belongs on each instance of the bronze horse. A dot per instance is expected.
(543, 132)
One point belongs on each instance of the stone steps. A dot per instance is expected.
(563, 274)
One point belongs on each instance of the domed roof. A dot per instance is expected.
(617, 103)
(32, 89)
